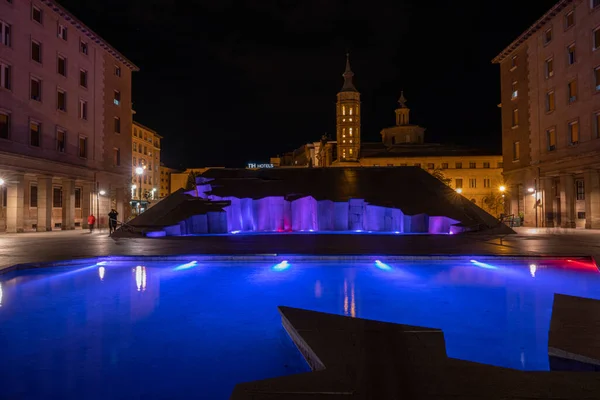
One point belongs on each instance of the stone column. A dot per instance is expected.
(567, 201)
(591, 181)
(547, 208)
(15, 200)
(86, 204)
(68, 204)
(44, 208)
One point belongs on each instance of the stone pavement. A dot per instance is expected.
(55, 246)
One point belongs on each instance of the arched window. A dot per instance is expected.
(343, 110)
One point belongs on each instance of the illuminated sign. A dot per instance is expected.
(256, 166)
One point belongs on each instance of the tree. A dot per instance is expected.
(493, 202)
(191, 182)
(439, 174)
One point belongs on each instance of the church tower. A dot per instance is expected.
(402, 111)
(348, 119)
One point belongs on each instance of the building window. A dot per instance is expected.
(36, 89)
(83, 47)
(548, 36)
(472, 183)
(516, 151)
(82, 147)
(550, 103)
(458, 165)
(596, 124)
(515, 91)
(34, 133)
(36, 51)
(445, 165)
(597, 78)
(4, 125)
(574, 132)
(486, 183)
(5, 36)
(36, 14)
(117, 125)
(418, 165)
(596, 38)
(569, 19)
(594, 3)
(571, 54)
(135, 132)
(33, 192)
(61, 140)
(57, 197)
(5, 76)
(472, 165)
(117, 71)
(580, 185)
(572, 91)
(62, 31)
(116, 157)
(515, 118)
(551, 138)
(549, 68)
(458, 183)
(61, 100)
(134, 146)
(514, 62)
(430, 166)
(77, 197)
(500, 164)
(117, 98)
(486, 165)
(83, 78)
(62, 65)
(145, 150)
(83, 109)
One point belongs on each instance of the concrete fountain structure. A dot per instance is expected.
(403, 200)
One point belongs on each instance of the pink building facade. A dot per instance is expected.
(65, 121)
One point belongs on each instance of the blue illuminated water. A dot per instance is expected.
(183, 330)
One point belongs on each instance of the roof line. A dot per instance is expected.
(146, 128)
(89, 33)
(531, 30)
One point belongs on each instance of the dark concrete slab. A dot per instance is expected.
(365, 359)
(574, 338)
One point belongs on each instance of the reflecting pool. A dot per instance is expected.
(189, 329)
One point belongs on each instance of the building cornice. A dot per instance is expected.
(135, 123)
(532, 29)
(94, 37)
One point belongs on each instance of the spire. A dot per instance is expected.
(402, 100)
(348, 74)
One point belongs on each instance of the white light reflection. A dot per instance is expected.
(140, 278)
(349, 301)
(532, 270)
(0, 294)
(318, 289)
(101, 272)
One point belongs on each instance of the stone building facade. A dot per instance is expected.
(65, 114)
(550, 85)
(145, 164)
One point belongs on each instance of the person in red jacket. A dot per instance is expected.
(91, 222)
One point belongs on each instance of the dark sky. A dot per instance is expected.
(228, 82)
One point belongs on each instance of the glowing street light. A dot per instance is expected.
(102, 193)
(502, 188)
(531, 190)
(1, 181)
(459, 190)
(139, 170)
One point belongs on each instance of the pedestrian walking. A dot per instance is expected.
(112, 221)
(91, 222)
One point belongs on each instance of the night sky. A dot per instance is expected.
(229, 82)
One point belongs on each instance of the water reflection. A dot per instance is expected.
(349, 301)
(140, 278)
(532, 270)
(0, 294)
(318, 289)
(101, 272)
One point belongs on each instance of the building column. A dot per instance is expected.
(44, 208)
(591, 181)
(567, 201)
(86, 204)
(68, 204)
(15, 202)
(547, 208)
(514, 200)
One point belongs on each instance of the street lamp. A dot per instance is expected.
(98, 194)
(153, 193)
(459, 190)
(502, 189)
(1, 181)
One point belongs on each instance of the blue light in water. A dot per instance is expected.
(483, 265)
(382, 265)
(281, 266)
(189, 265)
(235, 232)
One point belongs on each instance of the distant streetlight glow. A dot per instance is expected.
(459, 190)
(139, 170)
(102, 193)
(531, 190)
(1, 181)
(134, 186)
(502, 188)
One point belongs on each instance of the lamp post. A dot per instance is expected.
(98, 194)
(534, 192)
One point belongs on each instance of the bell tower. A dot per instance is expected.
(348, 119)
(402, 111)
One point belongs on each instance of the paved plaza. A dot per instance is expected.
(55, 246)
